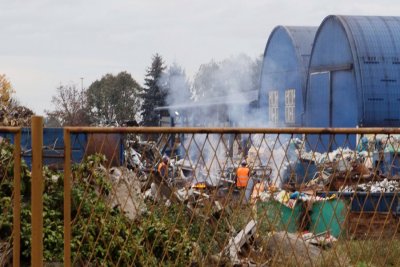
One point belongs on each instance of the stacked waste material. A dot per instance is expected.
(15, 115)
(374, 187)
(340, 155)
(289, 198)
(357, 170)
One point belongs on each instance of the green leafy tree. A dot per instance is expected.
(114, 99)
(154, 95)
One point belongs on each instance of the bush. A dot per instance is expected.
(101, 235)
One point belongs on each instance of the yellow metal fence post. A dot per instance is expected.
(17, 200)
(37, 192)
(67, 198)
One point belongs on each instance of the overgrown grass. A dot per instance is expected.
(383, 252)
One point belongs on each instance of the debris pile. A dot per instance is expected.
(366, 167)
(126, 192)
(302, 253)
(289, 199)
(15, 115)
(201, 190)
(239, 246)
(209, 194)
(374, 187)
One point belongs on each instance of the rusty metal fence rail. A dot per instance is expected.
(324, 197)
(10, 195)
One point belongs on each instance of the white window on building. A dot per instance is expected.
(290, 105)
(273, 106)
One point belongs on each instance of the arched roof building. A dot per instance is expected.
(284, 74)
(354, 73)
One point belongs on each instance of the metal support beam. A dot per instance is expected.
(37, 192)
(67, 198)
(17, 200)
(341, 67)
(221, 130)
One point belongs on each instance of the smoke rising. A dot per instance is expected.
(177, 85)
(221, 94)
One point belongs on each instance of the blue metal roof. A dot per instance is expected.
(285, 65)
(302, 38)
(374, 43)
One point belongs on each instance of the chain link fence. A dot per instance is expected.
(205, 197)
(145, 197)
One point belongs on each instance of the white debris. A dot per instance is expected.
(185, 193)
(133, 158)
(155, 192)
(148, 194)
(374, 187)
(126, 192)
(323, 239)
(115, 174)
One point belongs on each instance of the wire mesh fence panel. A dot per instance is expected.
(11, 195)
(217, 197)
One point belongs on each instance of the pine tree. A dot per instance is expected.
(154, 95)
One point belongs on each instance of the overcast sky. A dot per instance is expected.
(47, 43)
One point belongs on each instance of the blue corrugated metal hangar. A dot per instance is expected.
(284, 74)
(354, 73)
(345, 73)
(347, 76)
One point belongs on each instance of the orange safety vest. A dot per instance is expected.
(243, 175)
(162, 169)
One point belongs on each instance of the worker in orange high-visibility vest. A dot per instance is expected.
(242, 175)
(163, 167)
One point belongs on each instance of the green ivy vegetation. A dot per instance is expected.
(101, 234)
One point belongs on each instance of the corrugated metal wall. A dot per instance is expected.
(53, 146)
(355, 73)
(377, 42)
(81, 145)
(285, 65)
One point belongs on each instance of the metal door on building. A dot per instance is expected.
(318, 112)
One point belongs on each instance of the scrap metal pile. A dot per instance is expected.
(196, 187)
(372, 167)
(293, 181)
(385, 186)
(343, 169)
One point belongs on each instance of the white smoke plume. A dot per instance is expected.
(177, 85)
(221, 94)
